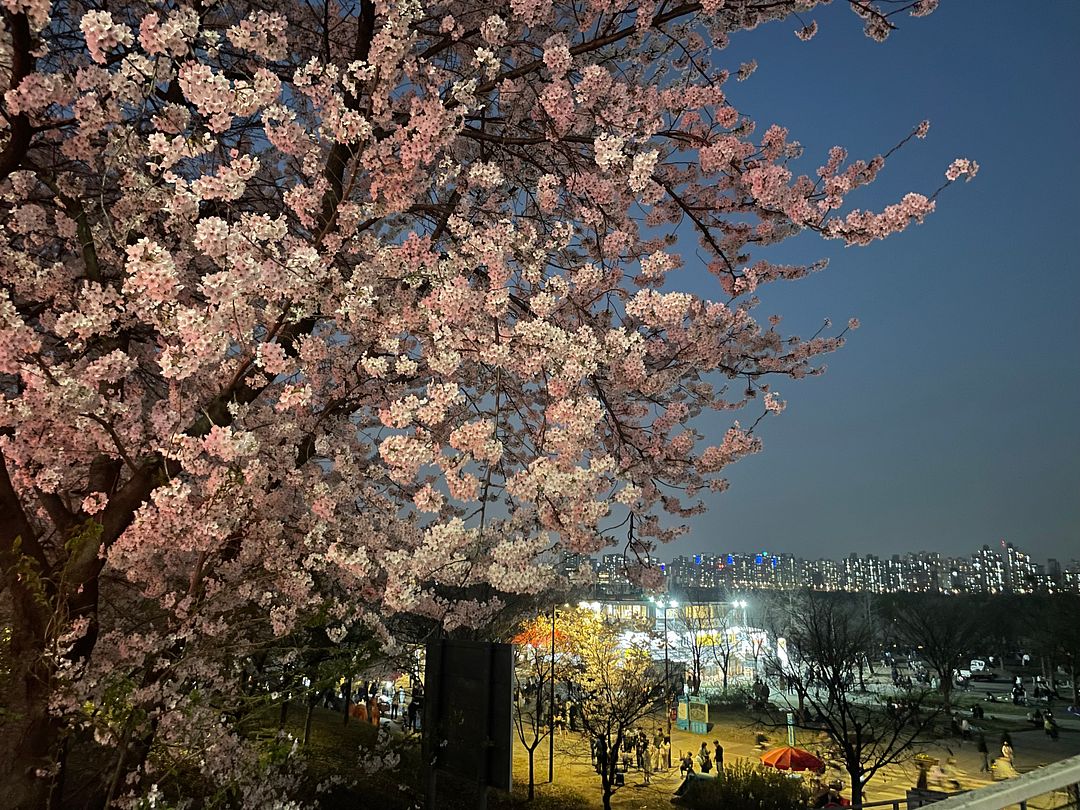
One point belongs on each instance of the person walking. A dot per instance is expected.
(1050, 726)
(984, 752)
(665, 754)
(648, 761)
(395, 705)
(718, 756)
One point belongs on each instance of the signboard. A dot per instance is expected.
(699, 711)
(467, 722)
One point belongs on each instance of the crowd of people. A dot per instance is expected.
(646, 753)
(705, 760)
(372, 703)
(563, 713)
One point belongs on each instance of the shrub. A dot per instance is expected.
(745, 786)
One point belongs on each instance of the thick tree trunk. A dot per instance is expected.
(347, 701)
(56, 799)
(855, 775)
(284, 716)
(946, 691)
(29, 736)
(307, 720)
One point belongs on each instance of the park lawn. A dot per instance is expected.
(334, 750)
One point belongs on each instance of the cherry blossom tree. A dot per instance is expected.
(333, 312)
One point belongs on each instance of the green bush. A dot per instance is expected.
(745, 786)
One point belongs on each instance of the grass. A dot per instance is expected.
(335, 749)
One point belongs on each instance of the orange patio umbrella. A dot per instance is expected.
(792, 759)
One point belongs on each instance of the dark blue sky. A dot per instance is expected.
(950, 419)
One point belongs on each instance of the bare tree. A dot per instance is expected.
(695, 625)
(1055, 634)
(943, 629)
(533, 655)
(725, 644)
(826, 638)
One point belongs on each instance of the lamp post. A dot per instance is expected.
(741, 604)
(551, 703)
(744, 637)
(665, 606)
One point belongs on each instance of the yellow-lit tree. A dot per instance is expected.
(611, 675)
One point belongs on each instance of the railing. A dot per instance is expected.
(1052, 787)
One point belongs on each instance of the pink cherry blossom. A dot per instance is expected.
(307, 335)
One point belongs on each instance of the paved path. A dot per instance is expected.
(736, 732)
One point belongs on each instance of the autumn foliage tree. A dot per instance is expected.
(326, 313)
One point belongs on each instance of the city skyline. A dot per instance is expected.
(987, 570)
(949, 414)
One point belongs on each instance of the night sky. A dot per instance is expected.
(950, 419)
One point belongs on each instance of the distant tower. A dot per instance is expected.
(1053, 571)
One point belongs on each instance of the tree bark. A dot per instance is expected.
(28, 734)
(284, 716)
(532, 778)
(307, 719)
(348, 700)
(855, 775)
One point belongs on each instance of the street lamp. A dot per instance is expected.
(665, 606)
(551, 688)
(551, 703)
